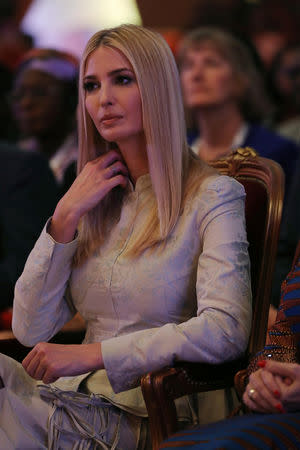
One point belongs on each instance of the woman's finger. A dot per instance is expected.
(40, 371)
(272, 391)
(260, 401)
(32, 367)
(264, 391)
(48, 377)
(118, 180)
(28, 358)
(250, 397)
(106, 159)
(116, 169)
(282, 369)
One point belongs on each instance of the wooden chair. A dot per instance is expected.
(263, 180)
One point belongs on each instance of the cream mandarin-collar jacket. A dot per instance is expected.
(191, 301)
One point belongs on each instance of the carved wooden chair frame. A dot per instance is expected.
(161, 388)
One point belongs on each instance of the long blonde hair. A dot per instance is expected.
(165, 134)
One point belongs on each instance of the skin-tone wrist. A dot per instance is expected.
(95, 356)
(63, 225)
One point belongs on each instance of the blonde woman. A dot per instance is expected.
(148, 244)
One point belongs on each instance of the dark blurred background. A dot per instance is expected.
(269, 23)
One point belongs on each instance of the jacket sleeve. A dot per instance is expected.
(42, 302)
(220, 330)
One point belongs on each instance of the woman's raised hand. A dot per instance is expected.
(97, 178)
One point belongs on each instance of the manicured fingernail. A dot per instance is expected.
(279, 407)
(261, 363)
(276, 393)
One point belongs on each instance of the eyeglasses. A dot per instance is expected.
(35, 93)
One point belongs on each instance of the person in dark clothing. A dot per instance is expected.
(28, 195)
(289, 235)
(44, 101)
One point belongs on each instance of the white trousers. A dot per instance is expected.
(43, 417)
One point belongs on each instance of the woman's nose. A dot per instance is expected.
(105, 95)
(193, 73)
(197, 72)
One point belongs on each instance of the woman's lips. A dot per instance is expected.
(109, 120)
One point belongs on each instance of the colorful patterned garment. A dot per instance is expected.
(259, 431)
(284, 336)
(251, 432)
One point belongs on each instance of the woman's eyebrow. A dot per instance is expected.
(89, 77)
(111, 73)
(117, 71)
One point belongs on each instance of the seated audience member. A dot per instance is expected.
(14, 42)
(148, 244)
(267, 43)
(28, 194)
(44, 102)
(285, 82)
(8, 129)
(273, 389)
(224, 95)
(289, 235)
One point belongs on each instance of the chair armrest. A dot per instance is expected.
(161, 388)
(240, 382)
(160, 406)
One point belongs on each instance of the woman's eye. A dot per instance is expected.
(213, 62)
(123, 79)
(187, 65)
(90, 86)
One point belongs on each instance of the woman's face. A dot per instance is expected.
(287, 76)
(207, 78)
(112, 96)
(38, 103)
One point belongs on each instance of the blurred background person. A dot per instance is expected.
(285, 85)
(8, 129)
(28, 194)
(44, 102)
(289, 235)
(268, 43)
(225, 98)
